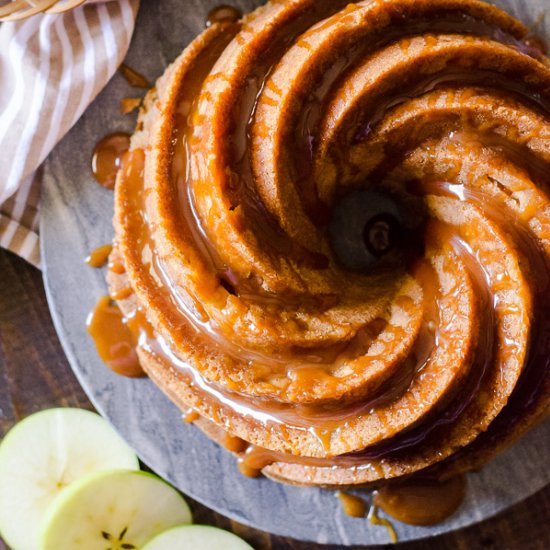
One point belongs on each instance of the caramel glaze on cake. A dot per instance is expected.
(252, 154)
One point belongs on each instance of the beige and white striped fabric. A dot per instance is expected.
(51, 68)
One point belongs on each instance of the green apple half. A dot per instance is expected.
(121, 509)
(197, 537)
(43, 454)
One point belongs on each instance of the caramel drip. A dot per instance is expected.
(99, 256)
(352, 505)
(422, 502)
(107, 158)
(129, 104)
(255, 459)
(248, 471)
(375, 519)
(122, 293)
(114, 338)
(116, 267)
(134, 78)
(223, 14)
(191, 415)
(233, 444)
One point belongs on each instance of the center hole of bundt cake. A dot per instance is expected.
(365, 230)
(380, 234)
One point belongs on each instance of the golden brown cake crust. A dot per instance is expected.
(255, 322)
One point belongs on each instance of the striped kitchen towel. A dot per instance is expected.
(51, 68)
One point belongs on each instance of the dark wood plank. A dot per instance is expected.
(34, 374)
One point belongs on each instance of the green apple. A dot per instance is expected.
(197, 537)
(43, 454)
(121, 509)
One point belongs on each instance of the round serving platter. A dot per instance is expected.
(76, 218)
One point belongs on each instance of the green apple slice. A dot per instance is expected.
(43, 454)
(197, 537)
(121, 509)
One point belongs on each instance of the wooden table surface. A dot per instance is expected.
(34, 375)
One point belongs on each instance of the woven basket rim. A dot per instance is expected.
(18, 10)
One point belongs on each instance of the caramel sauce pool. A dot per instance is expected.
(115, 342)
(422, 502)
(352, 505)
(223, 14)
(99, 256)
(107, 158)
